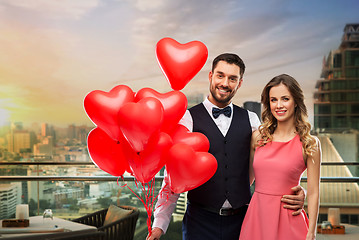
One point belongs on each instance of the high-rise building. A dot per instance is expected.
(336, 105)
(254, 107)
(44, 130)
(18, 141)
(9, 198)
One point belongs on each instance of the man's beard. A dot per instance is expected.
(221, 100)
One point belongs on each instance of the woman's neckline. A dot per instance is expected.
(286, 141)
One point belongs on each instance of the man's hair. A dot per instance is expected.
(230, 58)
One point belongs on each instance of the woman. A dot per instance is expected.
(281, 150)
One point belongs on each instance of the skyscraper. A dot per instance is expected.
(18, 141)
(336, 104)
(254, 107)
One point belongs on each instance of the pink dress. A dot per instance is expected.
(278, 166)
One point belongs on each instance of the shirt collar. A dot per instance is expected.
(208, 105)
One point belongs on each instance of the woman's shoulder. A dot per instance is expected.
(315, 138)
(317, 141)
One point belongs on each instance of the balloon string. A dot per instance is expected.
(148, 201)
(163, 192)
(126, 185)
(122, 180)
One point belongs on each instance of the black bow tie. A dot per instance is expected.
(226, 111)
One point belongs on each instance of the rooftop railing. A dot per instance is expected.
(141, 230)
(129, 178)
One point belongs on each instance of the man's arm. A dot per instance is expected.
(167, 200)
(165, 206)
(296, 201)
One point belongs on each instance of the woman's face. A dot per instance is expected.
(282, 103)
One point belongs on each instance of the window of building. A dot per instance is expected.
(338, 85)
(326, 86)
(339, 108)
(337, 61)
(355, 122)
(337, 97)
(352, 58)
(355, 109)
(324, 109)
(354, 84)
(325, 98)
(337, 74)
(324, 122)
(340, 122)
(353, 97)
(352, 72)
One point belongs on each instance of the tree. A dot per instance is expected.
(104, 202)
(32, 207)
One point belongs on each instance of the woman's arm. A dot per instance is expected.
(313, 180)
(254, 139)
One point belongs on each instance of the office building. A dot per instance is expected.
(336, 106)
(9, 198)
(253, 107)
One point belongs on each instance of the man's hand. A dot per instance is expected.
(295, 202)
(155, 235)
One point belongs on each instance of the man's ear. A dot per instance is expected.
(210, 74)
(240, 83)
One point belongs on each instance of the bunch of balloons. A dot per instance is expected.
(138, 132)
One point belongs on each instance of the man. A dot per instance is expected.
(216, 209)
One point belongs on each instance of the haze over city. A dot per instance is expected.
(55, 52)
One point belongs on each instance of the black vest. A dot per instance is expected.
(231, 180)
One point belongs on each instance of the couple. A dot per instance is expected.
(275, 153)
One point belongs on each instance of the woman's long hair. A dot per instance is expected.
(301, 123)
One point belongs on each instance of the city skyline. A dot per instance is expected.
(55, 52)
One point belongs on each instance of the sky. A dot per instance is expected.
(53, 53)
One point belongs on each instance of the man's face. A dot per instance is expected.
(224, 82)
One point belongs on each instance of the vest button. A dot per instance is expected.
(225, 141)
(225, 166)
(225, 154)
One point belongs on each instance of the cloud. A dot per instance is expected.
(145, 5)
(53, 50)
(54, 9)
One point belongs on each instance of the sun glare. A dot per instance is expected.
(4, 116)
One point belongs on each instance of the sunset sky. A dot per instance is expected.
(52, 53)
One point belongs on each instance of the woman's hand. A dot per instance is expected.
(310, 236)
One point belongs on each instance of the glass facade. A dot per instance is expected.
(336, 104)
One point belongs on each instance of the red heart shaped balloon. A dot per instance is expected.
(106, 153)
(174, 105)
(102, 108)
(139, 121)
(152, 159)
(198, 141)
(180, 62)
(188, 169)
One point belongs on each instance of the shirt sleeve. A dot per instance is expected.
(165, 206)
(254, 120)
(187, 121)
